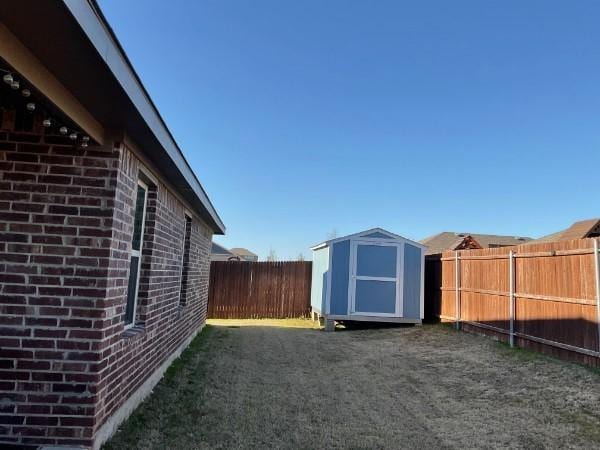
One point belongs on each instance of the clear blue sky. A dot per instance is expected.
(301, 117)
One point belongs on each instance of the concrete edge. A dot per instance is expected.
(108, 429)
(372, 318)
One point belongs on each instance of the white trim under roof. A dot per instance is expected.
(392, 236)
(90, 19)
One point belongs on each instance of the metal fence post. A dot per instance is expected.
(457, 289)
(511, 298)
(597, 267)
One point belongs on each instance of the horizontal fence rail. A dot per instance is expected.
(541, 296)
(253, 290)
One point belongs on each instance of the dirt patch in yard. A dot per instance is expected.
(269, 386)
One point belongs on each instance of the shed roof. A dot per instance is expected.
(449, 240)
(364, 235)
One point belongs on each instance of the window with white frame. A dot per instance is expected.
(137, 244)
(185, 259)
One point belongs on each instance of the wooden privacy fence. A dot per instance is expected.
(252, 290)
(542, 296)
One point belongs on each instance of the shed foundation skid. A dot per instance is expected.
(329, 325)
(355, 318)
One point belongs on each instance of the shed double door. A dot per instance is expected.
(375, 279)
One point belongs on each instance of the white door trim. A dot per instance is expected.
(138, 253)
(353, 277)
(329, 277)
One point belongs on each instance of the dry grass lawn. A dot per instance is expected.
(284, 384)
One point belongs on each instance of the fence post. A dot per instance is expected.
(511, 298)
(597, 268)
(457, 289)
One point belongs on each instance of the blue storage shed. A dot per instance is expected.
(374, 276)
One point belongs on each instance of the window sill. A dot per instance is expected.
(181, 308)
(133, 333)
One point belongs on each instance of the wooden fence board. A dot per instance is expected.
(556, 304)
(252, 290)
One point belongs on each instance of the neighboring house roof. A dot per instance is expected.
(91, 64)
(449, 240)
(240, 251)
(554, 237)
(466, 243)
(220, 253)
(579, 230)
(219, 250)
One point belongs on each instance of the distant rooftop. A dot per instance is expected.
(240, 251)
(219, 249)
(449, 240)
(579, 230)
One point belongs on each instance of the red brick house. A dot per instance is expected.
(105, 231)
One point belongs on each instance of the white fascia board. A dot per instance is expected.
(392, 237)
(110, 51)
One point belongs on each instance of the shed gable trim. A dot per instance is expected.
(378, 235)
(363, 235)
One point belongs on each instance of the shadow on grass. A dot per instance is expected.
(527, 354)
(519, 354)
(361, 325)
(181, 384)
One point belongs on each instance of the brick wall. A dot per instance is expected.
(163, 322)
(55, 227)
(66, 363)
